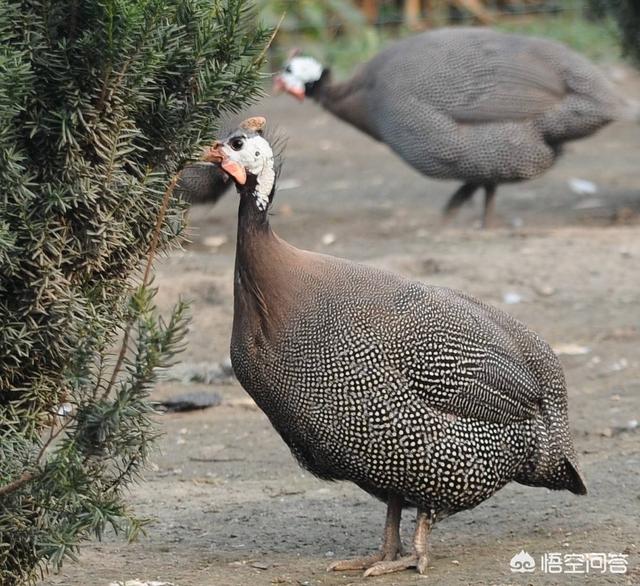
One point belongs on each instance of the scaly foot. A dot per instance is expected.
(391, 548)
(404, 563)
(419, 559)
(357, 563)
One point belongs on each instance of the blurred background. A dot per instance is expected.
(345, 32)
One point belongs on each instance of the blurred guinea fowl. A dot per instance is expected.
(202, 183)
(423, 396)
(477, 105)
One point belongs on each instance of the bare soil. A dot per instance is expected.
(230, 507)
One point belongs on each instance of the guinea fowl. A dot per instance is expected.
(423, 396)
(202, 183)
(471, 104)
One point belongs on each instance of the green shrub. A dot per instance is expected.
(101, 102)
(334, 31)
(596, 40)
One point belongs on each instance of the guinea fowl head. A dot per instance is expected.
(247, 157)
(299, 76)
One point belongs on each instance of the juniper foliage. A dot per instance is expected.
(101, 103)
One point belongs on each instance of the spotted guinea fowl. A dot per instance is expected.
(477, 105)
(423, 396)
(202, 183)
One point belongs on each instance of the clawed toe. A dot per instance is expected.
(355, 564)
(403, 563)
(391, 559)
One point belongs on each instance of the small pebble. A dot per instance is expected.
(511, 298)
(215, 241)
(571, 349)
(582, 186)
(545, 290)
(619, 365)
(328, 239)
(65, 409)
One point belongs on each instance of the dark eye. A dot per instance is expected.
(236, 144)
(287, 69)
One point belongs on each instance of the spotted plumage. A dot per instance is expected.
(202, 183)
(476, 105)
(418, 394)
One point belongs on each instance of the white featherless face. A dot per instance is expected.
(299, 71)
(253, 154)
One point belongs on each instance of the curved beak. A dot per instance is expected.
(215, 154)
(280, 86)
(296, 93)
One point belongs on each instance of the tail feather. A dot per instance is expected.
(575, 482)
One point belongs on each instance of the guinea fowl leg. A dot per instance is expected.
(419, 557)
(489, 205)
(460, 196)
(391, 547)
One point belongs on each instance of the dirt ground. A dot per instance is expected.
(230, 507)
